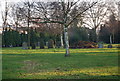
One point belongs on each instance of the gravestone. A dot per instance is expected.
(58, 44)
(41, 44)
(33, 46)
(38, 44)
(100, 45)
(10, 45)
(24, 45)
(50, 44)
(109, 46)
(47, 44)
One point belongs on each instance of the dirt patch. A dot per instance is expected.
(30, 66)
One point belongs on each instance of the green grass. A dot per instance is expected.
(51, 64)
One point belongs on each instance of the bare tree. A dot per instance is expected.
(15, 15)
(5, 15)
(24, 12)
(113, 15)
(95, 16)
(64, 18)
(112, 26)
(118, 3)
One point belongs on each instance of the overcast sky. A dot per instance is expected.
(2, 4)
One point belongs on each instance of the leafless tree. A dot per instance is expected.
(24, 12)
(15, 15)
(118, 3)
(64, 8)
(5, 14)
(95, 16)
(113, 16)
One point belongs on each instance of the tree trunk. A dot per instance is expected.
(28, 35)
(110, 39)
(113, 38)
(28, 23)
(94, 37)
(61, 37)
(66, 41)
(54, 44)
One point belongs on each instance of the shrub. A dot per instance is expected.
(83, 44)
(109, 46)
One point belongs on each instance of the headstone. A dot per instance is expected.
(47, 44)
(100, 45)
(109, 46)
(58, 44)
(24, 45)
(33, 46)
(38, 44)
(50, 44)
(41, 44)
(10, 45)
(3, 46)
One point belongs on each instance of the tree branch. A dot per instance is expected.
(48, 22)
(81, 13)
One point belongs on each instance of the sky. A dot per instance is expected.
(2, 5)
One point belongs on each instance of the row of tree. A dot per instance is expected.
(58, 19)
(14, 38)
(110, 31)
(40, 13)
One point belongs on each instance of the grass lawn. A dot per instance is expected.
(51, 64)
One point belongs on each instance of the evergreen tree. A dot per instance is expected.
(77, 34)
(8, 37)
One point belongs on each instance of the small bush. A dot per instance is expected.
(83, 44)
(109, 46)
